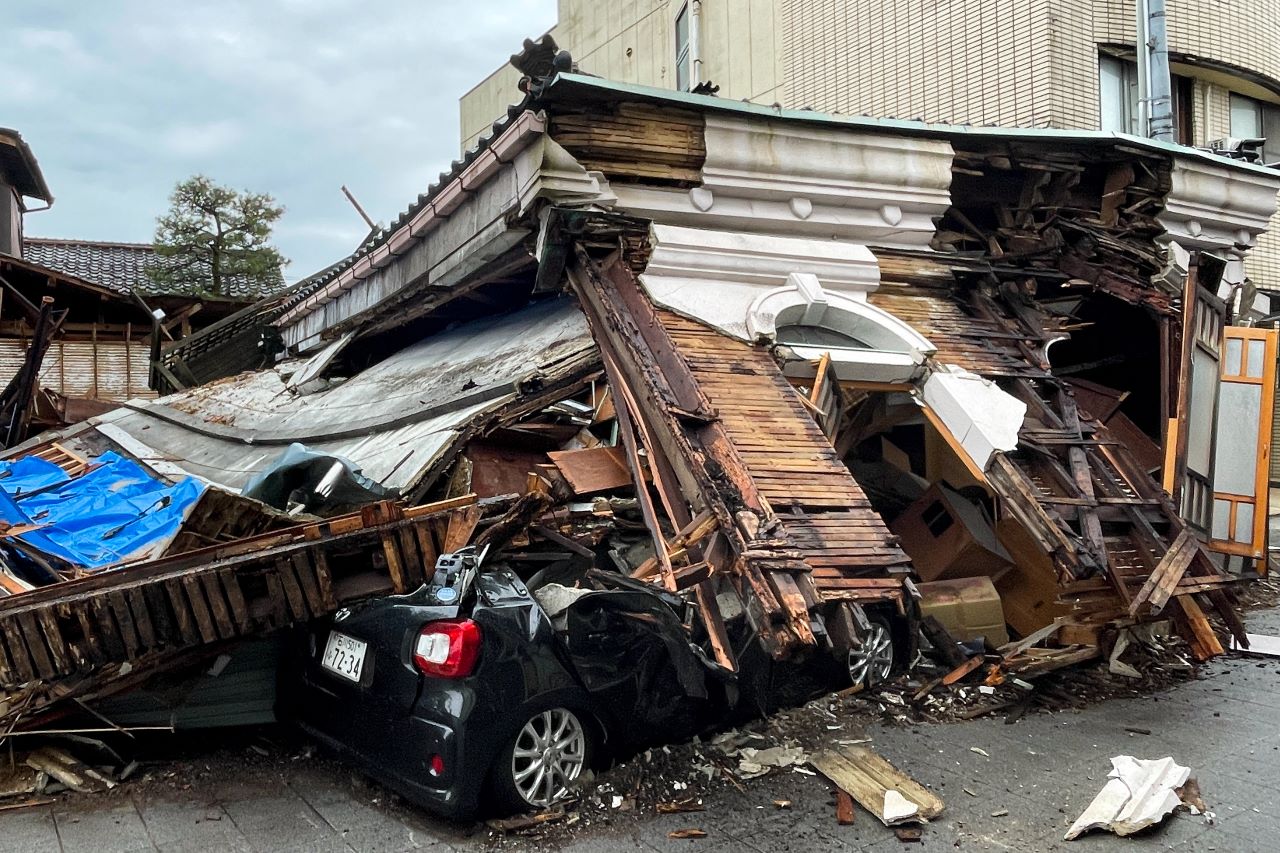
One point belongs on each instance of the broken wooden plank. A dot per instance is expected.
(961, 671)
(877, 785)
(1203, 640)
(69, 770)
(593, 470)
(1167, 574)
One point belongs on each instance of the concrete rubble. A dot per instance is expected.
(656, 371)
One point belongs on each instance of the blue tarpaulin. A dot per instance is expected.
(113, 512)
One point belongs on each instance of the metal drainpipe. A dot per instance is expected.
(695, 47)
(1158, 79)
(1142, 45)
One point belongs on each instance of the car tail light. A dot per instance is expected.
(447, 649)
(436, 766)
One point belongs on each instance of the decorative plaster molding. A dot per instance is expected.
(802, 301)
(1217, 207)
(545, 170)
(783, 178)
(746, 285)
(979, 414)
(760, 259)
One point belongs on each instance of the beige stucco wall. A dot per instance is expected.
(1008, 62)
(633, 41)
(965, 61)
(1240, 33)
(1030, 63)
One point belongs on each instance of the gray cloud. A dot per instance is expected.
(120, 100)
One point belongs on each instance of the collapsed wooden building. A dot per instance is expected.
(813, 360)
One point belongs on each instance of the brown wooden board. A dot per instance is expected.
(597, 469)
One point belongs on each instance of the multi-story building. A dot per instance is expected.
(1026, 63)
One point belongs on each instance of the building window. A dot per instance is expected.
(1118, 98)
(1118, 93)
(682, 49)
(1253, 119)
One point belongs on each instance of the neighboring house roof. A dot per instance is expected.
(18, 166)
(123, 267)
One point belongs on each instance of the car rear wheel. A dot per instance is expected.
(543, 760)
(872, 662)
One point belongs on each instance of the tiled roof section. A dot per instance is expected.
(380, 237)
(122, 267)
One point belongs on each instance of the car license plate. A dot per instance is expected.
(344, 655)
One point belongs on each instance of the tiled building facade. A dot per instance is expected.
(1030, 63)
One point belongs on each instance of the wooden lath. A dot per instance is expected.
(159, 611)
(1069, 478)
(73, 463)
(727, 435)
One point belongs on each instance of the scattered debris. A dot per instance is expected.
(678, 834)
(77, 776)
(757, 762)
(522, 823)
(845, 812)
(877, 785)
(909, 834)
(1139, 793)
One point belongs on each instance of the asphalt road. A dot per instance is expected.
(1035, 778)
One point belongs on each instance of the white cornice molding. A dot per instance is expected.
(1217, 207)
(780, 178)
(701, 254)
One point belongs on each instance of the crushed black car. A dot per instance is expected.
(476, 692)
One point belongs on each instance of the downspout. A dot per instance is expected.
(1142, 45)
(1159, 79)
(695, 44)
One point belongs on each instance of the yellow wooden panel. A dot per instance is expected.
(1239, 521)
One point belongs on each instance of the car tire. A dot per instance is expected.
(542, 760)
(876, 659)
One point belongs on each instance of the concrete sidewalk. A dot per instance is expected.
(1042, 771)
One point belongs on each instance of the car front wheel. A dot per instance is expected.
(872, 662)
(542, 761)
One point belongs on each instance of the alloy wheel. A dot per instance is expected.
(872, 662)
(549, 755)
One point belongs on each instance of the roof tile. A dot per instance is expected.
(123, 267)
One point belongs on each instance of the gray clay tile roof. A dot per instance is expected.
(123, 267)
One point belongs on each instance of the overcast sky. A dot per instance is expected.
(121, 99)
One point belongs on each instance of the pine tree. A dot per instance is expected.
(213, 235)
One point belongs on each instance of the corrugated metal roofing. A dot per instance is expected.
(394, 419)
